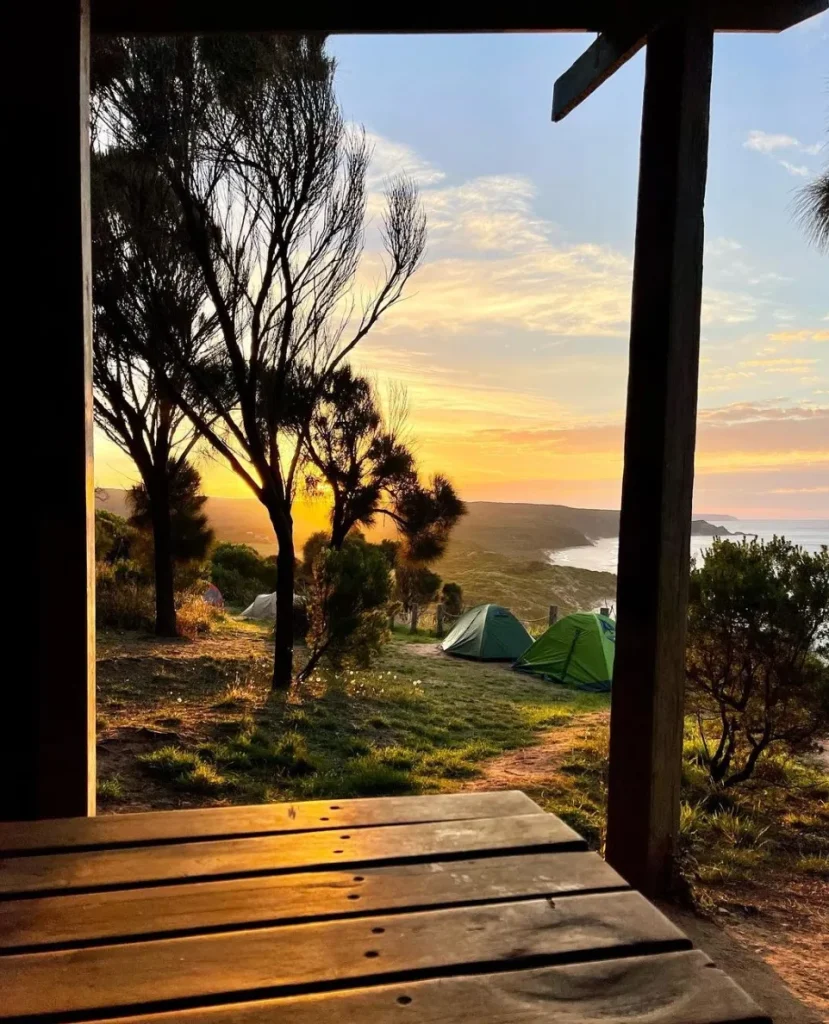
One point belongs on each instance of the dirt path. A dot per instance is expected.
(772, 935)
(533, 768)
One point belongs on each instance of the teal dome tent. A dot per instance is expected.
(577, 650)
(488, 632)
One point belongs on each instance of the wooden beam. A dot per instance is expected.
(657, 487)
(55, 764)
(127, 17)
(598, 62)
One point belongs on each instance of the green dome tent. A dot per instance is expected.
(577, 650)
(488, 632)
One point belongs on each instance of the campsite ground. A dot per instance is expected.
(188, 723)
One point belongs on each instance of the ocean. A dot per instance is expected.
(603, 555)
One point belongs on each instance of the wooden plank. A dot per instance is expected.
(262, 819)
(598, 62)
(98, 918)
(657, 486)
(668, 988)
(265, 855)
(53, 741)
(262, 962)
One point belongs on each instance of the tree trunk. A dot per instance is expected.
(338, 528)
(165, 600)
(283, 655)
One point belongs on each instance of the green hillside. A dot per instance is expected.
(527, 587)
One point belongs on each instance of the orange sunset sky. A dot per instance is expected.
(511, 342)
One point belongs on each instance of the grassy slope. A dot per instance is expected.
(196, 723)
(528, 588)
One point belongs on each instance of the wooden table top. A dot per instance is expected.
(436, 909)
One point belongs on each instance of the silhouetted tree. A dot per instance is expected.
(271, 190)
(370, 470)
(147, 291)
(190, 532)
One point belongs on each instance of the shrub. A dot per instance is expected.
(194, 615)
(241, 573)
(114, 537)
(452, 595)
(758, 626)
(346, 605)
(122, 602)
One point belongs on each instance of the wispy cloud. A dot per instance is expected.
(781, 365)
(807, 334)
(796, 170)
(765, 142)
(721, 246)
(753, 412)
(800, 490)
(493, 261)
(390, 158)
(770, 144)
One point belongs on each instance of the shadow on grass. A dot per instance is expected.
(415, 722)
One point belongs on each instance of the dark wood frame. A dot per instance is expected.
(55, 770)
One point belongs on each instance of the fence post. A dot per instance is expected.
(439, 618)
(552, 617)
(415, 613)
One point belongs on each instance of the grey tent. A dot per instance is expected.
(263, 607)
(489, 633)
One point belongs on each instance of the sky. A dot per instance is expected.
(511, 341)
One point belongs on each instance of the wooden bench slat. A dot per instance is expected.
(56, 873)
(261, 819)
(278, 899)
(158, 974)
(667, 988)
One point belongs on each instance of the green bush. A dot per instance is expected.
(347, 599)
(122, 599)
(114, 537)
(241, 573)
(758, 633)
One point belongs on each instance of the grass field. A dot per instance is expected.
(184, 723)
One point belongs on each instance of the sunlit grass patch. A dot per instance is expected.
(110, 788)
(814, 865)
(184, 769)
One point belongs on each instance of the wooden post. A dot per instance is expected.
(552, 615)
(415, 615)
(55, 769)
(654, 536)
(439, 619)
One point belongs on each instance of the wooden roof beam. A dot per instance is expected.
(130, 17)
(598, 62)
